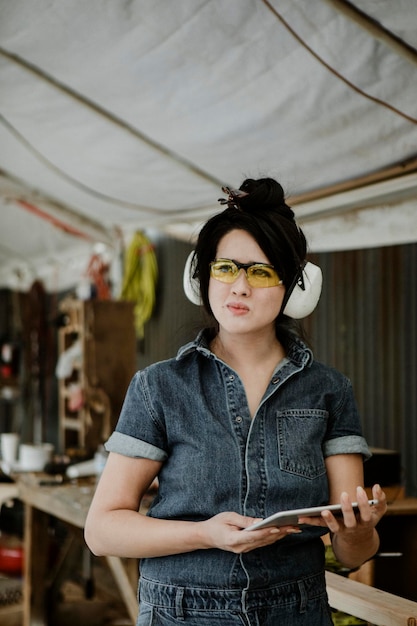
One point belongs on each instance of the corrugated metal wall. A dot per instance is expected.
(175, 320)
(365, 325)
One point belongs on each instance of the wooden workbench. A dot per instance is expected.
(68, 503)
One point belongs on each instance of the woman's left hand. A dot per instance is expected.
(354, 537)
(351, 522)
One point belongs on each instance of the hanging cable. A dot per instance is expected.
(85, 188)
(378, 101)
(114, 119)
(71, 179)
(60, 224)
(375, 28)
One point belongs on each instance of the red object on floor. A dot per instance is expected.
(11, 556)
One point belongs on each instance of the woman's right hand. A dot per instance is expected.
(114, 526)
(226, 532)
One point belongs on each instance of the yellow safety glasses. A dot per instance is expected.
(257, 274)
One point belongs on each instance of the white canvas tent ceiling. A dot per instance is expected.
(131, 114)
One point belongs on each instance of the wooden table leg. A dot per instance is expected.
(36, 572)
(123, 582)
(35, 567)
(132, 571)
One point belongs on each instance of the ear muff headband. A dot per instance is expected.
(301, 298)
(191, 285)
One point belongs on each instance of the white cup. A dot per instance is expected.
(9, 447)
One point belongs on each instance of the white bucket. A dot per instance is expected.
(33, 458)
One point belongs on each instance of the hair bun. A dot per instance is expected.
(264, 194)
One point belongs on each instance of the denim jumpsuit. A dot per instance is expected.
(191, 413)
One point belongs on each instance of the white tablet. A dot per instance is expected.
(290, 518)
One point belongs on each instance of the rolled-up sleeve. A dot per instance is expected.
(344, 433)
(349, 444)
(138, 433)
(136, 448)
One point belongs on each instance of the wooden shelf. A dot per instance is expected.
(105, 330)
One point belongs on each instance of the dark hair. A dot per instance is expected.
(262, 212)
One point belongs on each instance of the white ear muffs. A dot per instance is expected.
(303, 296)
(305, 292)
(191, 285)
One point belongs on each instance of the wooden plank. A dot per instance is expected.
(123, 582)
(403, 506)
(68, 502)
(35, 546)
(370, 604)
(8, 491)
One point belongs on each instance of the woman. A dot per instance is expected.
(241, 424)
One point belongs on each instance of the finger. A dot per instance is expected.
(379, 495)
(349, 517)
(332, 523)
(312, 521)
(365, 510)
(259, 538)
(247, 522)
(271, 535)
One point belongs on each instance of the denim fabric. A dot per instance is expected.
(296, 603)
(191, 413)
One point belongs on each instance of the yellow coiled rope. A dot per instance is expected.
(139, 279)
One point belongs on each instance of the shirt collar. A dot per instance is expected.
(298, 352)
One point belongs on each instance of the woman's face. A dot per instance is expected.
(238, 307)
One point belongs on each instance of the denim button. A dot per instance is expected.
(231, 377)
(274, 381)
(238, 419)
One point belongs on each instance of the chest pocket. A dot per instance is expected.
(300, 436)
